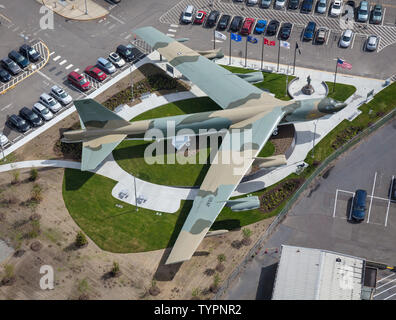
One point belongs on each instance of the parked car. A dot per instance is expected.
(336, 7)
(376, 15)
(4, 75)
(95, 73)
(11, 66)
(236, 24)
(61, 95)
(212, 18)
(321, 6)
(50, 103)
(126, 52)
(223, 22)
(247, 26)
(293, 4)
(320, 37)
(19, 59)
(346, 38)
(306, 6)
(3, 139)
(363, 11)
(272, 27)
(16, 122)
(359, 205)
(392, 190)
(265, 4)
(309, 31)
(279, 4)
(285, 30)
(79, 81)
(251, 2)
(105, 65)
(187, 15)
(42, 111)
(372, 43)
(260, 26)
(200, 17)
(29, 52)
(33, 119)
(116, 59)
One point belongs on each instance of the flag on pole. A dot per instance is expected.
(345, 65)
(285, 44)
(236, 37)
(221, 36)
(268, 42)
(252, 39)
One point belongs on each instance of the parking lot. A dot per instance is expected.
(386, 285)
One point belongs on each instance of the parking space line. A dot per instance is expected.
(335, 203)
(350, 209)
(389, 200)
(63, 62)
(170, 35)
(353, 40)
(328, 36)
(384, 291)
(383, 17)
(388, 297)
(51, 53)
(346, 191)
(385, 284)
(76, 70)
(391, 275)
(69, 66)
(372, 195)
(56, 58)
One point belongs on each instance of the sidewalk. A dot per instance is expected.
(75, 9)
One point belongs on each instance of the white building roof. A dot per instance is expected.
(315, 274)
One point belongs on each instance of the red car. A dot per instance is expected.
(95, 73)
(79, 81)
(200, 17)
(247, 26)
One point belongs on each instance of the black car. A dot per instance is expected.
(31, 53)
(212, 18)
(18, 58)
(293, 4)
(236, 24)
(223, 22)
(10, 66)
(4, 75)
(30, 117)
(284, 32)
(126, 52)
(272, 27)
(306, 6)
(18, 123)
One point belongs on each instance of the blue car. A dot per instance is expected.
(359, 205)
(260, 26)
(309, 31)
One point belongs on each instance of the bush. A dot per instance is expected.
(115, 271)
(16, 174)
(81, 239)
(37, 193)
(34, 230)
(161, 82)
(33, 174)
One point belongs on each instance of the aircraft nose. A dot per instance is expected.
(330, 106)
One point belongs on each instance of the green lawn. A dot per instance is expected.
(89, 201)
(268, 150)
(341, 92)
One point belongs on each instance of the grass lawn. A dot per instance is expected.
(268, 150)
(89, 201)
(341, 92)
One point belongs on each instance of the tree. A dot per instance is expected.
(246, 236)
(81, 240)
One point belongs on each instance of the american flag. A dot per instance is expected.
(345, 65)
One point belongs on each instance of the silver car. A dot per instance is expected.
(322, 5)
(251, 2)
(105, 65)
(61, 95)
(280, 4)
(346, 38)
(372, 43)
(188, 14)
(49, 102)
(42, 111)
(116, 59)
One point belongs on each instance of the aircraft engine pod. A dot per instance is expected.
(252, 77)
(243, 204)
(212, 54)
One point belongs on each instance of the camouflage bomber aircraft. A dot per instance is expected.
(245, 107)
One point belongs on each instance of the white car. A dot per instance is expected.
(42, 111)
(322, 5)
(188, 14)
(336, 8)
(251, 2)
(61, 95)
(116, 59)
(280, 4)
(49, 102)
(3, 139)
(372, 43)
(346, 38)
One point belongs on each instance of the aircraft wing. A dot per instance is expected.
(222, 86)
(234, 157)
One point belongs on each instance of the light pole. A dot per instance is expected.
(86, 7)
(130, 69)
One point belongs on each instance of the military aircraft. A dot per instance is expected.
(244, 107)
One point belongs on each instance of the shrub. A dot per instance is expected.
(115, 271)
(16, 174)
(33, 174)
(81, 239)
(35, 229)
(221, 258)
(37, 193)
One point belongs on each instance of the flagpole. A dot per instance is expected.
(262, 54)
(335, 74)
(214, 39)
(277, 68)
(246, 52)
(230, 49)
(295, 54)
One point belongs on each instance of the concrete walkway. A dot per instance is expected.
(75, 10)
